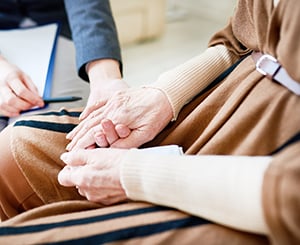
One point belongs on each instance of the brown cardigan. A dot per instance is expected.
(258, 26)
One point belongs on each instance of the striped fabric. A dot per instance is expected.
(51, 125)
(129, 221)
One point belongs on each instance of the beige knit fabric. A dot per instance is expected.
(184, 82)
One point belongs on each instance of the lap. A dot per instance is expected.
(36, 143)
(127, 223)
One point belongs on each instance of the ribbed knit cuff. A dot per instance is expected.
(138, 167)
(184, 82)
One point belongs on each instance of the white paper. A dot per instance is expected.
(164, 150)
(31, 50)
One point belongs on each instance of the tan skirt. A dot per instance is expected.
(128, 223)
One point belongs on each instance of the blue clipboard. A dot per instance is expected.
(49, 78)
(14, 41)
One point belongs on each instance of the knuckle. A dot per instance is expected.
(119, 93)
(21, 92)
(12, 75)
(80, 181)
(10, 100)
(89, 124)
(7, 101)
(92, 198)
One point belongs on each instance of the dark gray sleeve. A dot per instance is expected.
(93, 31)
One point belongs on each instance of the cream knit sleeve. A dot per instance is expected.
(184, 82)
(223, 189)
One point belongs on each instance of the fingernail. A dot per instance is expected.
(70, 134)
(81, 116)
(105, 123)
(40, 103)
(64, 157)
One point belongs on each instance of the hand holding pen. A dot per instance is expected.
(18, 93)
(17, 90)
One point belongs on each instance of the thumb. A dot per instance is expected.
(75, 158)
(66, 176)
(69, 174)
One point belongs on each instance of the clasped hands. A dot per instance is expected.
(128, 119)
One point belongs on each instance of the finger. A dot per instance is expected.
(111, 201)
(66, 176)
(109, 131)
(5, 108)
(84, 135)
(80, 191)
(134, 140)
(75, 158)
(30, 84)
(94, 146)
(86, 141)
(71, 176)
(24, 93)
(9, 111)
(74, 131)
(84, 114)
(100, 140)
(90, 108)
(10, 103)
(32, 87)
(116, 197)
(122, 130)
(93, 119)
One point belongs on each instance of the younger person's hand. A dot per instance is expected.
(105, 79)
(17, 90)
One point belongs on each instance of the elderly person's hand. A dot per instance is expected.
(95, 173)
(145, 111)
(17, 90)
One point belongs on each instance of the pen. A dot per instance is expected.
(61, 99)
(3, 122)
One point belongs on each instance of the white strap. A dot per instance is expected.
(270, 67)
